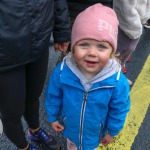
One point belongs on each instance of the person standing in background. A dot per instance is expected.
(131, 15)
(25, 29)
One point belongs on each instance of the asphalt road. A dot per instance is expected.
(138, 58)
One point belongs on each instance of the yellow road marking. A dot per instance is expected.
(140, 100)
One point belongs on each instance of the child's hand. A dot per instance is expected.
(57, 126)
(107, 140)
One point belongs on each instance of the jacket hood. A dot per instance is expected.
(110, 69)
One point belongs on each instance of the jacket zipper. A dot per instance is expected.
(81, 119)
(82, 113)
(101, 127)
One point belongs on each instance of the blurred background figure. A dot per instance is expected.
(25, 29)
(131, 15)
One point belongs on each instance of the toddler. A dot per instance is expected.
(87, 95)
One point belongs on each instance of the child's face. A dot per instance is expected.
(91, 56)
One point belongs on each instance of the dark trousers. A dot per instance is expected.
(19, 96)
(125, 47)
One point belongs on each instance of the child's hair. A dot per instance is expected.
(114, 56)
(97, 22)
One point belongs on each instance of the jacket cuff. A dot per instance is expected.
(61, 37)
(52, 118)
(113, 133)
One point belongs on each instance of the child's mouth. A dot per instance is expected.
(91, 63)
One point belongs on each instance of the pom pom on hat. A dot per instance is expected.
(97, 22)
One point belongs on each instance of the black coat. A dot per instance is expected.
(25, 29)
(108, 3)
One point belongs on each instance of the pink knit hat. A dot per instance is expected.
(97, 22)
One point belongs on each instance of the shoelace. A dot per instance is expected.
(44, 135)
(32, 148)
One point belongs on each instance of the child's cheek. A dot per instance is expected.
(76, 56)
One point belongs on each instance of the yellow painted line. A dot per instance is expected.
(140, 100)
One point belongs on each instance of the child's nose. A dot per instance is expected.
(92, 51)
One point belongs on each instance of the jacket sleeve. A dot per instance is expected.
(129, 17)
(62, 30)
(118, 107)
(53, 96)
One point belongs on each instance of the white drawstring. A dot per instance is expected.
(118, 76)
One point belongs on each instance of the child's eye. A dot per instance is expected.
(84, 45)
(101, 47)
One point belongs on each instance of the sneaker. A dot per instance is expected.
(128, 59)
(129, 81)
(147, 24)
(31, 147)
(45, 140)
(124, 70)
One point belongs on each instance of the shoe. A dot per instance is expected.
(128, 59)
(129, 81)
(31, 147)
(44, 140)
(124, 70)
(147, 24)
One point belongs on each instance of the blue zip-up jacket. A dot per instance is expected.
(86, 115)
